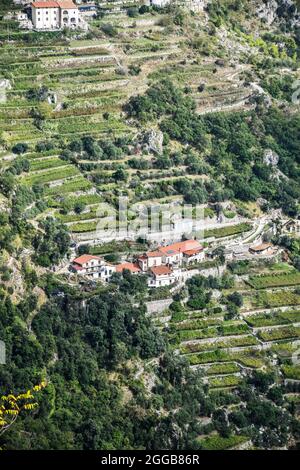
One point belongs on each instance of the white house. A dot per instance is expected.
(93, 266)
(186, 252)
(54, 14)
(132, 267)
(87, 264)
(193, 256)
(106, 271)
(161, 276)
(150, 259)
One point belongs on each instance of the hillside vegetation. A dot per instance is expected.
(158, 105)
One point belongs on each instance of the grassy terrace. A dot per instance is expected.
(69, 186)
(67, 171)
(215, 442)
(273, 319)
(227, 231)
(274, 280)
(248, 358)
(219, 344)
(262, 299)
(228, 381)
(283, 333)
(211, 332)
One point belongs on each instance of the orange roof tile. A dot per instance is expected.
(132, 267)
(85, 258)
(181, 247)
(67, 4)
(45, 4)
(169, 250)
(154, 254)
(161, 270)
(192, 252)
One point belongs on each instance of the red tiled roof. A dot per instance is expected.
(181, 247)
(65, 4)
(161, 270)
(192, 252)
(132, 267)
(85, 258)
(169, 250)
(154, 254)
(45, 4)
(77, 267)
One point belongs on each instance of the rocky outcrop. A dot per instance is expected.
(154, 140)
(267, 11)
(271, 158)
(279, 10)
(4, 85)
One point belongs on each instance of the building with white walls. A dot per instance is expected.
(54, 14)
(177, 254)
(161, 276)
(93, 266)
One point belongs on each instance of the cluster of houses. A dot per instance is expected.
(165, 265)
(46, 15)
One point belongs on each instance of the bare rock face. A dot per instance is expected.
(4, 85)
(271, 158)
(267, 11)
(154, 139)
(277, 10)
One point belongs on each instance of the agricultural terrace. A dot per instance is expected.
(226, 344)
(64, 91)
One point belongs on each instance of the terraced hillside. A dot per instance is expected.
(62, 90)
(152, 107)
(228, 347)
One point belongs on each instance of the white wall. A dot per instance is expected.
(160, 3)
(45, 18)
(69, 17)
(161, 281)
(170, 259)
(157, 261)
(55, 18)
